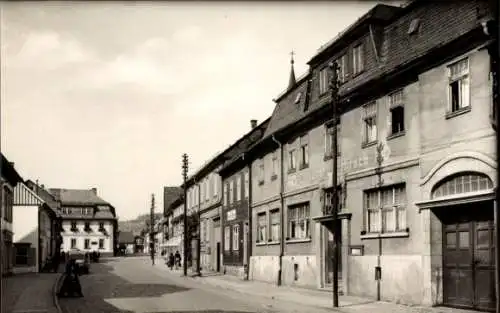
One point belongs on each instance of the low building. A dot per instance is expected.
(89, 222)
(126, 242)
(36, 228)
(175, 217)
(9, 179)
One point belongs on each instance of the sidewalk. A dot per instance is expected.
(314, 298)
(32, 292)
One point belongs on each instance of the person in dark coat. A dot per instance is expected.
(171, 260)
(177, 259)
(71, 284)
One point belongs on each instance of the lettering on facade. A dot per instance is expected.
(231, 215)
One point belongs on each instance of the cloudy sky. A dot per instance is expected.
(110, 95)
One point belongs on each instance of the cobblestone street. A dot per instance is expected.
(133, 285)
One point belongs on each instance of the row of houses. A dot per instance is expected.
(39, 223)
(417, 167)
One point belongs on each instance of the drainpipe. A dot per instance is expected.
(282, 213)
(249, 216)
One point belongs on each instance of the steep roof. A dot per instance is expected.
(9, 172)
(76, 196)
(170, 194)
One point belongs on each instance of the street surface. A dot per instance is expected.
(133, 285)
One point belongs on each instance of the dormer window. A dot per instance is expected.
(323, 81)
(358, 59)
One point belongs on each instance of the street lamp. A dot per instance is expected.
(334, 88)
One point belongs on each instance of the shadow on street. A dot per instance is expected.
(103, 284)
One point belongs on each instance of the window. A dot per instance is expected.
(298, 221)
(87, 227)
(207, 190)
(275, 225)
(458, 88)
(275, 165)
(414, 26)
(247, 185)
(73, 243)
(261, 172)
(323, 80)
(202, 191)
(329, 140)
(261, 227)
(86, 244)
(342, 62)
(370, 123)
(397, 113)
(462, 183)
(238, 187)
(386, 209)
(292, 159)
(87, 211)
(73, 226)
(101, 226)
(101, 243)
(231, 191)
(211, 183)
(358, 60)
(216, 185)
(227, 238)
(8, 201)
(225, 195)
(236, 237)
(304, 152)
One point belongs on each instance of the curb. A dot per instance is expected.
(55, 298)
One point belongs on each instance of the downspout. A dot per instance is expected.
(282, 213)
(249, 216)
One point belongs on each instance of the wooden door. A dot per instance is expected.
(330, 245)
(469, 264)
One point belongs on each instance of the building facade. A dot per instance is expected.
(88, 222)
(416, 143)
(175, 226)
(9, 179)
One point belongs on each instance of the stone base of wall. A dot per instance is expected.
(24, 269)
(297, 270)
(106, 254)
(234, 270)
(402, 278)
(264, 268)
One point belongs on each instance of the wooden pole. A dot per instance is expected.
(185, 164)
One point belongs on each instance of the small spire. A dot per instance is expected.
(291, 82)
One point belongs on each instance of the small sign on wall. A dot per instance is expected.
(356, 250)
(231, 215)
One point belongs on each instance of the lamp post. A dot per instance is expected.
(185, 167)
(334, 88)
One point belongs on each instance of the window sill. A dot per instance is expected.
(274, 177)
(354, 75)
(399, 234)
(458, 112)
(368, 144)
(396, 135)
(298, 240)
(291, 171)
(261, 183)
(328, 157)
(303, 166)
(261, 243)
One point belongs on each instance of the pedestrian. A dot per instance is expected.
(71, 283)
(171, 261)
(177, 259)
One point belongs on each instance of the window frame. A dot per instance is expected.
(296, 219)
(304, 152)
(292, 159)
(275, 222)
(342, 62)
(274, 165)
(323, 82)
(73, 240)
(246, 177)
(262, 225)
(372, 116)
(101, 243)
(398, 209)
(458, 78)
(358, 60)
(227, 238)
(231, 191)
(261, 171)
(396, 104)
(235, 237)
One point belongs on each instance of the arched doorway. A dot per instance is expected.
(468, 240)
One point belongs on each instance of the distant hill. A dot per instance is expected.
(138, 224)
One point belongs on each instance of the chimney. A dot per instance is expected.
(94, 190)
(253, 123)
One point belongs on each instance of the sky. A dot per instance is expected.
(110, 95)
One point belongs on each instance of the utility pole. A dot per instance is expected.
(151, 230)
(334, 89)
(185, 167)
